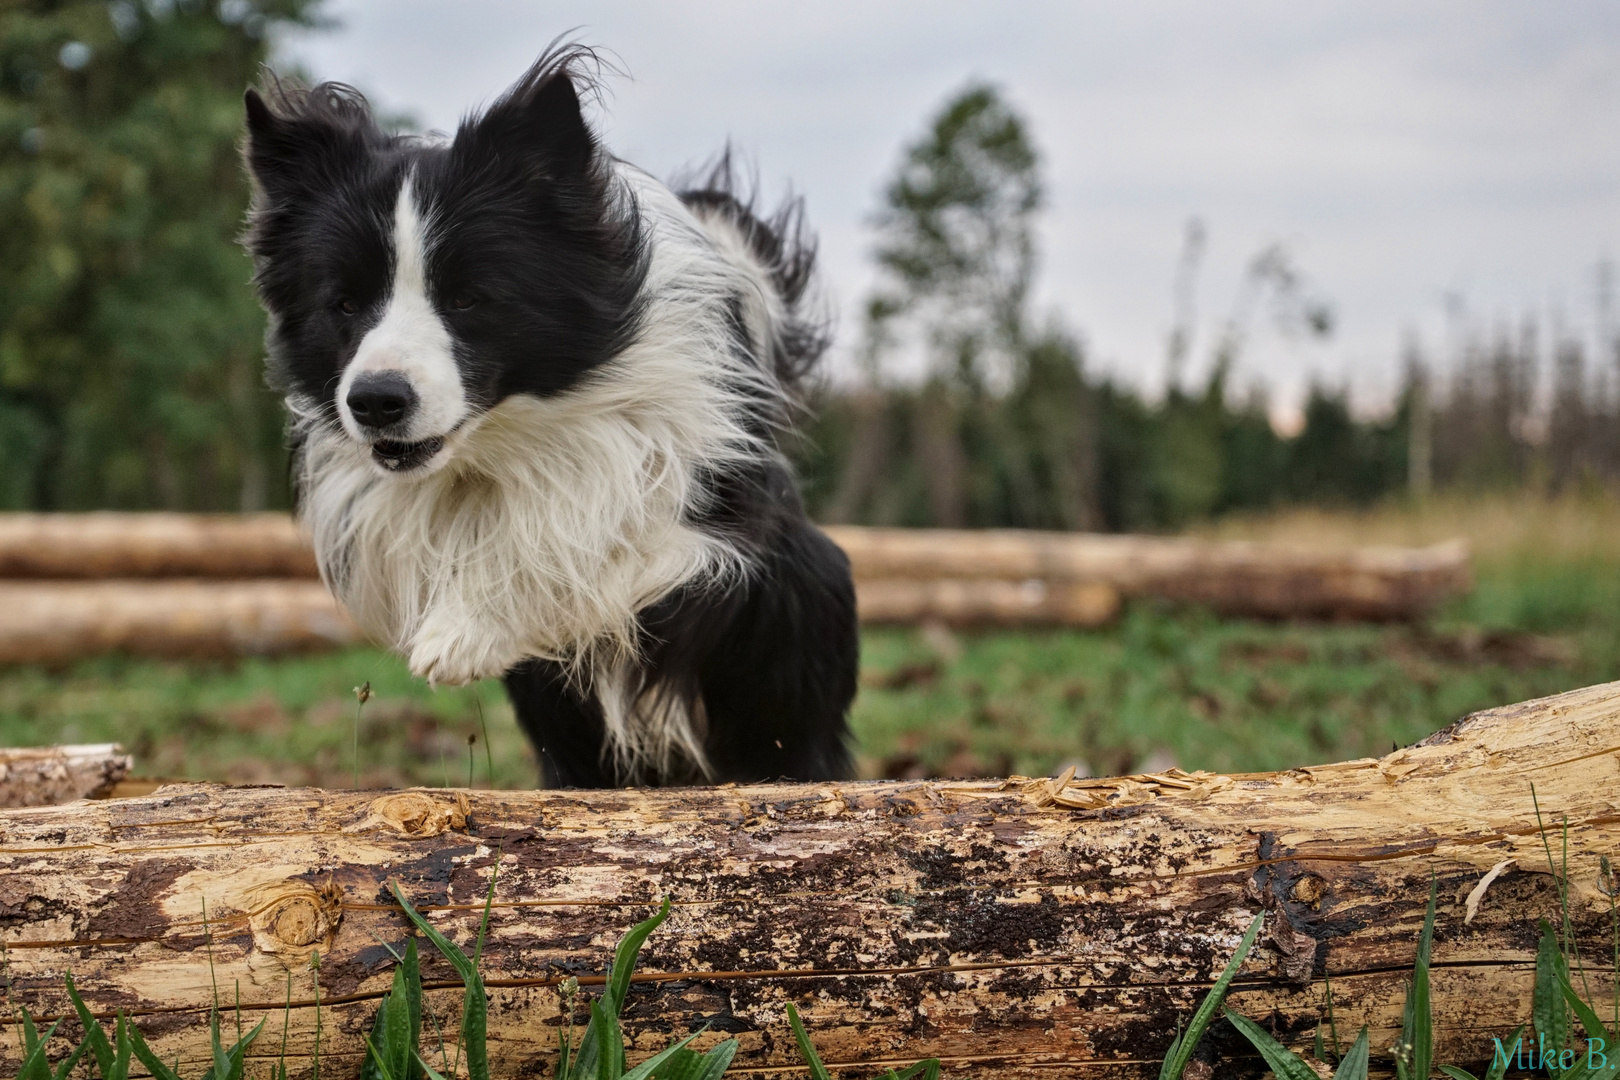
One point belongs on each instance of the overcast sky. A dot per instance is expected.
(1403, 151)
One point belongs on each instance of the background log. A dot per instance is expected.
(987, 602)
(1234, 577)
(43, 775)
(120, 545)
(56, 622)
(1017, 930)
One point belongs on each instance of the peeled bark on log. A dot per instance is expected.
(1015, 929)
(45, 775)
(986, 602)
(119, 545)
(1233, 577)
(56, 622)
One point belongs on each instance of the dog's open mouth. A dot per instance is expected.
(403, 456)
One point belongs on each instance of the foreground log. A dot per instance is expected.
(1017, 929)
(56, 622)
(44, 775)
(1232, 577)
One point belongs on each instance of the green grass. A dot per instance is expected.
(1160, 687)
(271, 721)
(1183, 687)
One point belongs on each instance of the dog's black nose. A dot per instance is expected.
(380, 398)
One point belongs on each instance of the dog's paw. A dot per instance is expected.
(452, 653)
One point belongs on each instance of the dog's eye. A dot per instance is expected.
(462, 301)
(347, 306)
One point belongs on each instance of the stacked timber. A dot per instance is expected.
(181, 585)
(1015, 929)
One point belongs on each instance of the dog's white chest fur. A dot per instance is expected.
(556, 520)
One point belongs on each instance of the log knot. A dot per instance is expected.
(294, 914)
(416, 814)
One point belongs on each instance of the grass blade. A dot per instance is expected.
(1283, 1061)
(1549, 1014)
(1499, 1063)
(716, 1061)
(236, 1056)
(818, 1071)
(375, 1057)
(625, 956)
(1354, 1064)
(683, 1063)
(622, 967)
(391, 1033)
(1417, 1029)
(94, 1037)
(1176, 1060)
(412, 968)
(153, 1063)
(474, 1025)
(657, 1061)
(122, 1047)
(1595, 1031)
(474, 1007)
(222, 1064)
(449, 949)
(432, 1073)
(609, 1043)
(35, 1065)
(66, 1065)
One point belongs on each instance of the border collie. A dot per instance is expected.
(535, 404)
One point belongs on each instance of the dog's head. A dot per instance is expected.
(414, 284)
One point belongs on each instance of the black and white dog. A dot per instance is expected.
(535, 398)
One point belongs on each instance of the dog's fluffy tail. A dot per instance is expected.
(784, 245)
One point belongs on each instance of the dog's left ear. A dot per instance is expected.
(539, 122)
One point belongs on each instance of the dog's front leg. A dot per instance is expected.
(452, 647)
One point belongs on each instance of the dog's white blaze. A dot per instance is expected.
(553, 521)
(411, 338)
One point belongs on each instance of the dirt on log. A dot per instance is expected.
(1015, 929)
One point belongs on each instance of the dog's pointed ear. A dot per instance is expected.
(539, 122)
(299, 137)
(273, 149)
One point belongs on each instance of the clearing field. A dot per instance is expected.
(1160, 687)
